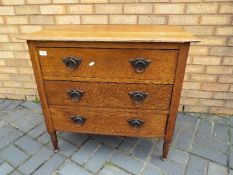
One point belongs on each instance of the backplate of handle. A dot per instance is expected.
(71, 62)
(140, 64)
(138, 96)
(135, 123)
(78, 120)
(75, 94)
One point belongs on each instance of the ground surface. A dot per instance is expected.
(202, 145)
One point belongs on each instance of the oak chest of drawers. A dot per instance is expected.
(113, 80)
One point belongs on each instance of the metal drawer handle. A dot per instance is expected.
(71, 62)
(138, 96)
(78, 120)
(75, 94)
(135, 123)
(140, 64)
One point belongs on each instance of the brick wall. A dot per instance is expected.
(208, 85)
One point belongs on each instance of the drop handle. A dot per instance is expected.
(78, 120)
(71, 62)
(140, 64)
(138, 96)
(75, 94)
(136, 123)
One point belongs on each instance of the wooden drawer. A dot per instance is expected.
(110, 63)
(103, 121)
(109, 94)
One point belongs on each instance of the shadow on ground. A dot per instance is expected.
(202, 144)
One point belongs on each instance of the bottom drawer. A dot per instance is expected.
(108, 121)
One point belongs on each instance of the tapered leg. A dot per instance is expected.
(54, 141)
(166, 146)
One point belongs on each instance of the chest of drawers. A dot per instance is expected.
(121, 80)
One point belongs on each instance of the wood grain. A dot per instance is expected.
(180, 70)
(113, 33)
(40, 86)
(109, 94)
(103, 121)
(102, 44)
(110, 63)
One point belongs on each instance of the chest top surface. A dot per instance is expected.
(111, 33)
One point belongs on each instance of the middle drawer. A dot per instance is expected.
(100, 94)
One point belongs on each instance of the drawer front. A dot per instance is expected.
(159, 65)
(103, 121)
(117, 95)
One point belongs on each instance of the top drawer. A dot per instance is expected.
(140, 64)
